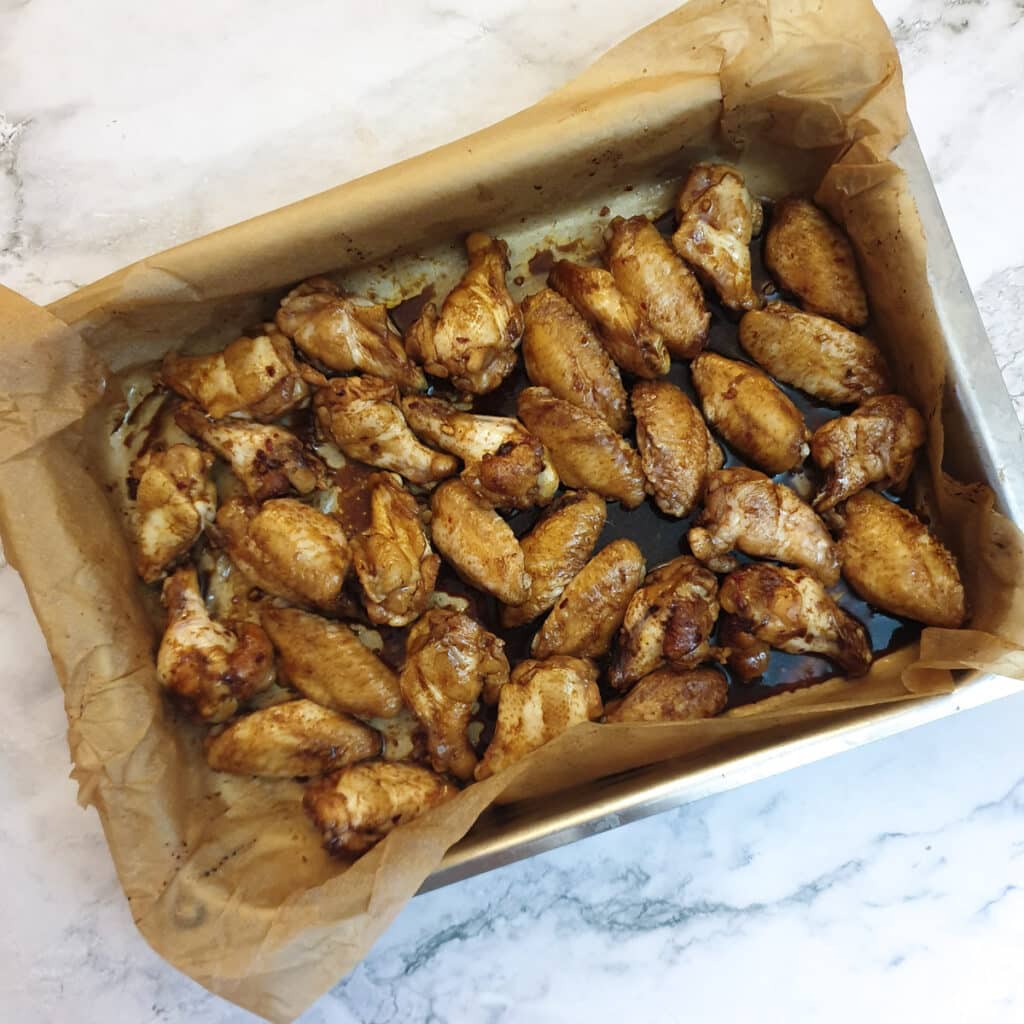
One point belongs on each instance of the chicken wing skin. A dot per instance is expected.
(449, 660)
(895, 563)
(555, 550)
(363, 418)
(286, 740)
(393, 560)
(564, 355)
(257, 376)
(478, 543)
(343, 334)
(621, 324)
(676, 449)
(790, 610)
(542, 700)
(586, 452)
(356, 807)
(326, 662)
(473, 341)
(668, 619)
(593, 604)
(287, 549)
(656, 279)
(671, 695)
(505, 464)
(750, 412)
(745, 510)
(875, 445)
(717, 217)
(809, 255)
(175, 500)
(817, 355)
(208, 667)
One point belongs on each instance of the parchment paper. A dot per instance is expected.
(224, 876)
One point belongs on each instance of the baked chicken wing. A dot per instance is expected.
(563, 354)
(750, 412)
(672, 695)
(819, 356)
(473, 341)
(717, 217)
(542, 700)
(746, 511)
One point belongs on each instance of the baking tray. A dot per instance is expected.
(984, 443)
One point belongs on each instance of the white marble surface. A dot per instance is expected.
(886, 883)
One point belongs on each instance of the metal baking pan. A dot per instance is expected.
(984, 442)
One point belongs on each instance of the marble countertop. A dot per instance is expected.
(886, 881)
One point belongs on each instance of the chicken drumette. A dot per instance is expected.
(672, 695)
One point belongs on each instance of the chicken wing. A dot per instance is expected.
(362, 416)
(257, 376)
(356, 807)
(542, 700)
(809, 255)
(175, 500)
(896, 564)
(286, 548)
(671, 695)
(814, 354)
(564, 355)
(449, 660)
(790, 610)
(876, 444)
(745, 510)
(474, 339)
(669, 619)
(505, 465)
(586, 452)
(327, 662)
(584, 619)
(209, 667)
(555, 550)
(676, 449)
(621, 324)
(478, 543)
(286, 740)
(750, 412)
(717, 217)
(344, 334)
(656, 279)
(393, 560)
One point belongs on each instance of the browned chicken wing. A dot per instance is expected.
(473, 341)
(750, 412)
(563, 354)
(745, 510)
(656, 279)
(449, 660)
(896, 564)
(672, 695)
(621, 324)
(345, 334)
(555, 550)
(584, 619)
(669, 619)
(586, 452)
(478, 543)
(542, 700)
(717, 217)
(676, 448)
(809, 255)
(875, 445)
(790, 610)
(209, 667)
(363, 418)
(817, 355)
(356, 807)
